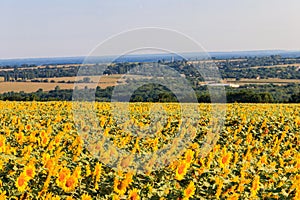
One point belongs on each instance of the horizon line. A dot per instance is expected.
(114, 55)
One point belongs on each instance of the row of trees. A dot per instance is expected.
(158, 93)
(290, 72)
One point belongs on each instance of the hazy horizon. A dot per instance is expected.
(114, 55)
(35, 29)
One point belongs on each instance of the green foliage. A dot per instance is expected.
(158, 93)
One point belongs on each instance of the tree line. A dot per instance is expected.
(159, 93)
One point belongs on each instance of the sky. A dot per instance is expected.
(60, 28)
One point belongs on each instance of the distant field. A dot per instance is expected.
(269, 66)
(273, 66)
(263, 81)
(44, 66)
(216, 61)
(104, 82)
(33, 87)
(100, 79)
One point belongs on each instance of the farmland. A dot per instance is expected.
(44, 154)
(63, 83)
(275, 81)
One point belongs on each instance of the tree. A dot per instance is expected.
(295, 98)
(57, 88)
(86, 80)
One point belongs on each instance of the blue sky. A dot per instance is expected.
(35, 28)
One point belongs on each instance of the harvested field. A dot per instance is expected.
(104, 81)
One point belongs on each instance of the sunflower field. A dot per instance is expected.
(48, 153)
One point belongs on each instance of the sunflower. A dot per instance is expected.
(28, 127)
(86, 197)
(97, 174)
(2, 143)
(234, 196)
(189, 191)
(29, 171)
(255, 186)
(225, 158)
(21, 182)
(55, 198)
(220, 184)
(128, 178)
(181, 170)
(189, 155)
(62, 176)
(20, 137)
(48, 196)
(115, 197)
(77, 172)
(3, 195)
(43, 133)
(88, 170)
(58, 138)
(32, 137)
(50, 164)
(133, 195)
(119, 186)
(45, 141)
(70, 184)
